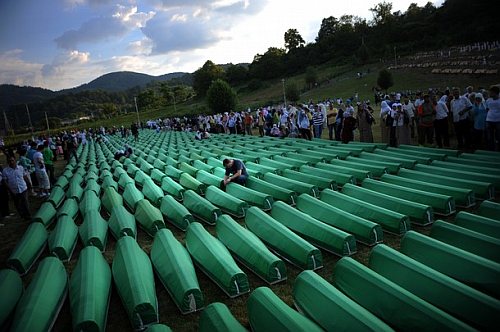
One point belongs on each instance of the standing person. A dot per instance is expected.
(248, 123)
(338, 124)
(14, 178)
(231, 123)
(426, 116)
(348, 126)
(331, 121)
(303, 123)
(27, 165)
(260, 123)
(389, 113)
(460, 108)
(441, 122)
(48, 159)
(385, 121)
(318, 122)
(71, 147)
(365, 121)
(41, 173)
(135, 131)
(479, 114)
(235, 172)
(4, 198)
(402, 125)
(493, 119)
(409, 109)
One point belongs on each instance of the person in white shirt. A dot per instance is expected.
(493, 118)
(410, 109)
(13, 175)
(41, 172)
(441, 121)
(460, 109)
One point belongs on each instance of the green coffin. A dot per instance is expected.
(175, 269)
(330, 308)
(94, 230)
(481, 189)
(90, 291)
(11, 288)
(463, 197)
(201, 166)
(62, 239)
(62, 182)
(392, 167)
(108, 182)
(28, 248)
(364, 230)
(393, 304)
(226, 202)
(250, 250)
(173, 172)
(283, 241)
(252, 197)
(149, 217)
(441, 204)
(480, 224)
(339, 178)
(134, 280)
(39, 306)
(419, 213)
(314, 231)
(158, 328)
(297, 186)
(187, 168)
(46, 214)
(201, 207)
(475, 271)
(57, 196)
(122, 223)
(490, 209)
(132, 196)
(189, 182)
(217, 318)
(125, 180)
(463, 238)
(457, 299)
(152, 192)
(405, 162)
(69, 208)
(215, 261)
(111, 198)
(208, 179)
(375, 170)
(173, 188)
(318, 181)
(175, 212)
(90, 202)
(94, 186)
(141, 177)
(267, 312)
(278, 193)
(390, 221)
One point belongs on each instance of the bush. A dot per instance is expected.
(221, 97)
(292, 92)
(385, 80)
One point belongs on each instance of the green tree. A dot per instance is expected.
(236, 74)
(268, 65)
(203, 77)
(382, 13)
(292, 92)
(328, 27)
(221, 97)
(385, 80)
(363, 55)
(293, 40)
(311, 77)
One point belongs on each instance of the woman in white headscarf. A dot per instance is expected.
(385, 109)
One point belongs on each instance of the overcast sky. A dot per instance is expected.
(58, 44)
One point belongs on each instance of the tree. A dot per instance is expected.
(236, 74)
(204, 76)
(363, 55)
(268, 65)
(292, 92)
(293, 40)
(311, 77)
(221, 97)
(327, 29)
(385, 80)
(382, 13)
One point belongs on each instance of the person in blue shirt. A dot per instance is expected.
(235, 172)
(479, 111)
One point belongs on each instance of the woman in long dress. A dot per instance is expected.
(365, 121)
(385, 129)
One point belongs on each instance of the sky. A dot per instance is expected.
(59, 44)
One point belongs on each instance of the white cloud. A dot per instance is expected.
(14, 70)
(115, 25)
(141, 47)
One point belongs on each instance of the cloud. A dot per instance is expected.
(140, 47)
(121, 21)
(14, 70)
(190, 25)
(64, 62)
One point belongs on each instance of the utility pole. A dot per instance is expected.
(7, 125)
(395, 59)
(47, 122)
(284, 94)
(137, 111)
(29, 120)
